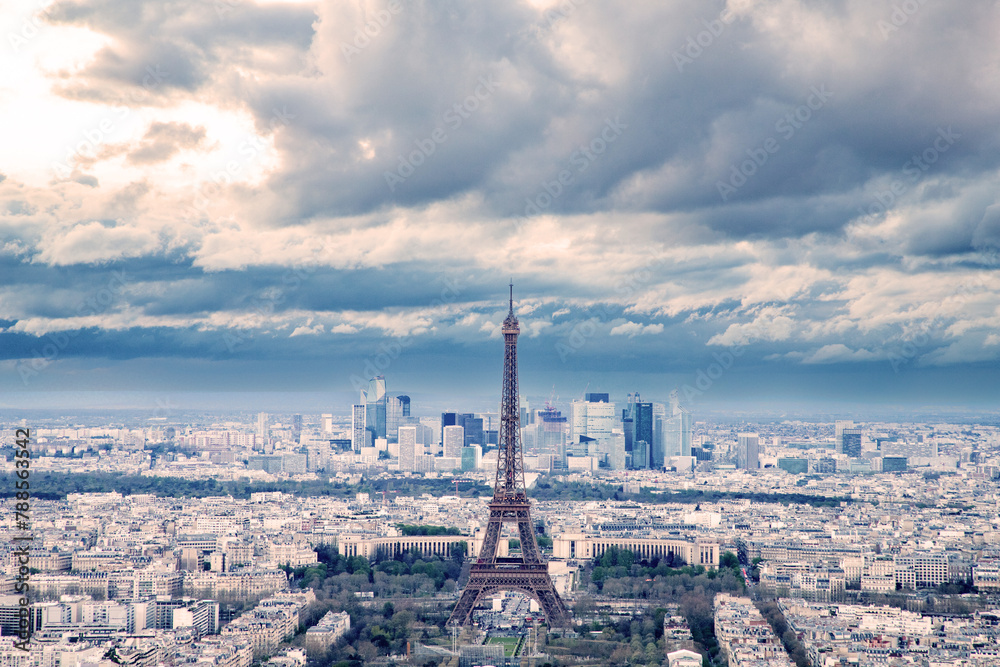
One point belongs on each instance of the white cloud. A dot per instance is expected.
(632, 329)
(838, 353)
(93, 242)
(307, 331)
(768, 324)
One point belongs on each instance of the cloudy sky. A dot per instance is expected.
(760, 200)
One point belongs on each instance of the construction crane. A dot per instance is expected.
(383, 495)
(461, 481)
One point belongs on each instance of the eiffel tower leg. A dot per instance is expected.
(529, 547)
(488, 551)
(470, 596)
(552, 605)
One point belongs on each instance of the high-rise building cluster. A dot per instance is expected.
(595, 434)
(377, 417)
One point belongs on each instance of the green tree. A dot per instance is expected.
(729, 560)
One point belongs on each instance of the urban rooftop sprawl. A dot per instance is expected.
(170, 537)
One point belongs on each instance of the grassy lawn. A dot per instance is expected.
(509, 644)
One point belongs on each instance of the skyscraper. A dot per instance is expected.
(434, 430)
(527, 416)
(674, 438)
(397, 409)
(641, 451)
(453, 441)
(408, 449)
(578, 420)
(642, 434)
(592, 419)
(263, 429)
(552, 436)
(850, 442)
(616, 450)
(748, 451)
(838, 433)
(627, 429)
(473, 429)
(642, 422)
(360, 437)
(375, 408)
(471, 458)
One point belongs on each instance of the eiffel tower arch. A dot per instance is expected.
(526, 573)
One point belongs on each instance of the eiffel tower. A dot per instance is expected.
(527, 573)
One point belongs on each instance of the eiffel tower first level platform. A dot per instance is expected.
(526, 573)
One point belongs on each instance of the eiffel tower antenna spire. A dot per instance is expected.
(526, 573)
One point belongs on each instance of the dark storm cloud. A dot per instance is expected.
(814, 181)
(178, 45)
(856, 106)
(499, 100)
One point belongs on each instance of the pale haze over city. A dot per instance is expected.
(540, 332)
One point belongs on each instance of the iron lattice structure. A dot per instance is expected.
(527, 573)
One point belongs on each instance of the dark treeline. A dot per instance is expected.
(410, 529)
(770, 610)
(552, 489)
(55, 486)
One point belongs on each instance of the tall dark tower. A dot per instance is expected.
(526, 573)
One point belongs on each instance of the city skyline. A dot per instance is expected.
(766, 204)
